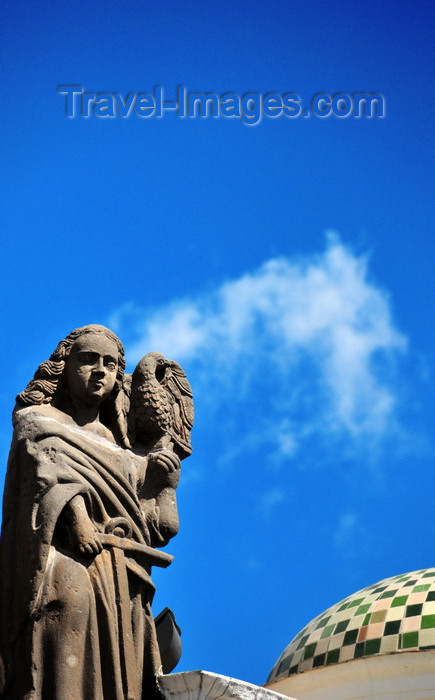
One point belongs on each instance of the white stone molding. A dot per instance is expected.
(203, 685)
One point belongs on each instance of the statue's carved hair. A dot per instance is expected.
(48, 383)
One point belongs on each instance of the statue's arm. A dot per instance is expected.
(157, 495)
(82, 533)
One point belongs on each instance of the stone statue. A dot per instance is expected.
(89, 495)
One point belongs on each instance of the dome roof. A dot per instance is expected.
(394, 615)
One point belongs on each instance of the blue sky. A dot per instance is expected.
(288, 266)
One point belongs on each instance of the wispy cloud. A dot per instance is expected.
(309, 345)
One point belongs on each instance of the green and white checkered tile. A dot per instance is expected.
(394, 615)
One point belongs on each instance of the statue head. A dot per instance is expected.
(50, 382)
(48, 379)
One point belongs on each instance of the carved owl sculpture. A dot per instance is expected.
(161, 405)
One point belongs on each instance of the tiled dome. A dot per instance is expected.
(394, 615)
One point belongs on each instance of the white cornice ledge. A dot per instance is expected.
(203, 685)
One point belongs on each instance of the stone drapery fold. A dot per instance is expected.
(72, 626)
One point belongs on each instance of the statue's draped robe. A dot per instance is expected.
(72, 626)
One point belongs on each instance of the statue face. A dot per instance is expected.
(91, 368)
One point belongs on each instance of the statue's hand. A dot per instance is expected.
(164, 467)
(83, 538)
(81, 530)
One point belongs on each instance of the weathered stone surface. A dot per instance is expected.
(89, 495)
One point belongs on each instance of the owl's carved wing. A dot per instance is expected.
(180, 396)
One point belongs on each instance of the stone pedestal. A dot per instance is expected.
(203, 685)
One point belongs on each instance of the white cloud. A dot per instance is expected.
(309, 344)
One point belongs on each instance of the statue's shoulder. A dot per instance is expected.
(39, 418)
